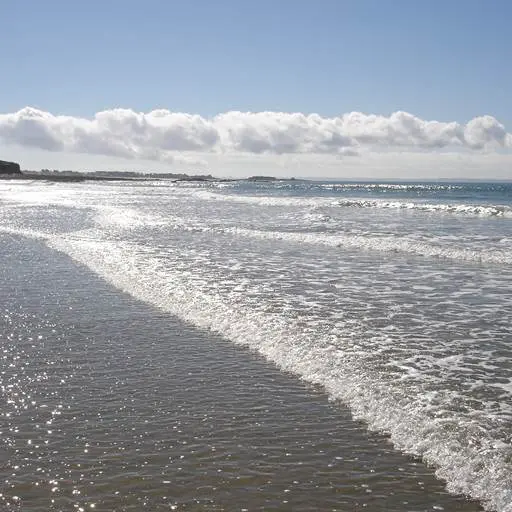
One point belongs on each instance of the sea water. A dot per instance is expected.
(391, 299)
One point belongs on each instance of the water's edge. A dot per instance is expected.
(290, 445)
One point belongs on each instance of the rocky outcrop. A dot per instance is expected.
(262, 178)
(9, 167)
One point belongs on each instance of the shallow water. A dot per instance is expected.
(393, 299)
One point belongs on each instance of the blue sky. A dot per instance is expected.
(439, 60)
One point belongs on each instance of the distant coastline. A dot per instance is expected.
(12, 171)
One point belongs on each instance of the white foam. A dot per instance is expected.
(262, 200)
(28, 233)
(466, 209)
(387, 244)
(486, 210)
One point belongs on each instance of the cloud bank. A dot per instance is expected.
(165, 136)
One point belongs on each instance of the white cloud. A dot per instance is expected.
(401, 129)
(486, 132)
(280, 133)
(165, 136)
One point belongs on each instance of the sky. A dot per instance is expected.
(330, 88)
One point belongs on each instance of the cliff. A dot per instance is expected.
(9, 167)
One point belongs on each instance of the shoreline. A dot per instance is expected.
(168, 393)
(78, 178)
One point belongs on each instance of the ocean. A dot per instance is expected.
(287, 345)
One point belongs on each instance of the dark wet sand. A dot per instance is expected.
(109, 404)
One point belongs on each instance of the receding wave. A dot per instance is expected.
(261, 200)
(394, 186)
(465, 209)
(28, 233)
(387, 244)
(485, 210)
(383, 243)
